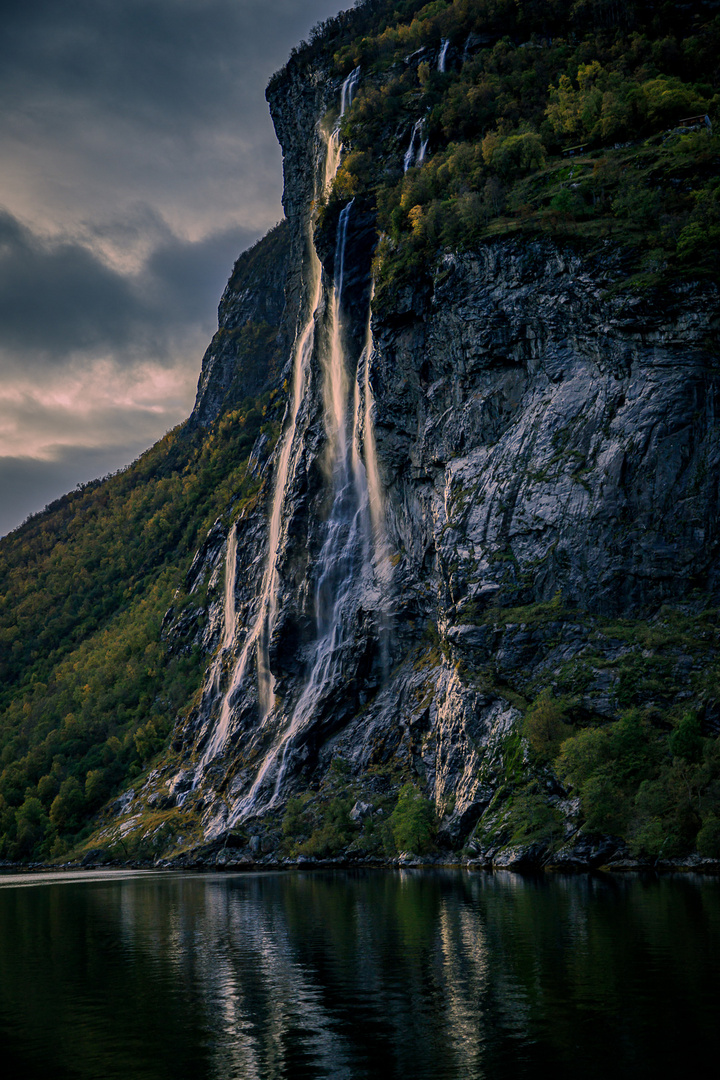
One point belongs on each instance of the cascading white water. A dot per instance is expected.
(375, 490)
(345, 554)
(443, 53)
(354, 555)
(268, 594)
(348, 90)
(261, 631)
(410, 152)
(229, 605)
(415, 153)
(334, 146)
(228, 610)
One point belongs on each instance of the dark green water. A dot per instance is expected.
(408, 974)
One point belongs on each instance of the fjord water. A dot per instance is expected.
(358, 975)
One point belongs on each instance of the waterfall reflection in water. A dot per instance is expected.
(446, 976)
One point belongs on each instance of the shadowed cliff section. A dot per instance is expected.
(249, 348)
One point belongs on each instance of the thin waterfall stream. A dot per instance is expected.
(413, 157)
(229, 599)
(354, 554)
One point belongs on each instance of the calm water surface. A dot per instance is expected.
(408, 975)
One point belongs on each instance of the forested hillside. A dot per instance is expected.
(90, 687)
(538, 118)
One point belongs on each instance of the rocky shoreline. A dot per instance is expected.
(530, 860)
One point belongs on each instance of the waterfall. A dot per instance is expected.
(334, 149)
(262, 627)
(261, 631)
(354, 560)
(228, 610)
(345, 553)
(348, 89)
(415, 137)
(229, 605)
(375, 491)
(332, 159)
(443, 53)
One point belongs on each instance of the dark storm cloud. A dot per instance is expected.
(60, 298)
(173, 63)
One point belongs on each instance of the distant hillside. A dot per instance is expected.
(89, 686)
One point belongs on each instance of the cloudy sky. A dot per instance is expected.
(137, 159)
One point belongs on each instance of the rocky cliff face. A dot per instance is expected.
(466, 491)
(250, 346)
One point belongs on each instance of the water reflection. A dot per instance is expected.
(340, 975)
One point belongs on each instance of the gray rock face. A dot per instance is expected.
(548, 438)
(541, 437)
(250, 347)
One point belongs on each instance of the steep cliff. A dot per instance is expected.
(244, 355)
(489, 527)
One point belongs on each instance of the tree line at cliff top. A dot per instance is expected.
(548, 118)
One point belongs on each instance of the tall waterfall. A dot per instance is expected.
(267, 607)
(443, 53)
(352, 562)
(345, 562)
(375, 491)
(258, 637)
(348, 90)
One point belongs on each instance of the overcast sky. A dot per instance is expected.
(137, 160)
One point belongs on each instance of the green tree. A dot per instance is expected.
(67, 806)
(32, 826)
(545, 725)
(413, 821)
(686, 741)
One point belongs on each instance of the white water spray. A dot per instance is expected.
(261, 631)
(334, 147)
(375, 491)
(229, 605)
(415, 153)
(354, 558)
(443, 54)
(268, 596)
(348, 89)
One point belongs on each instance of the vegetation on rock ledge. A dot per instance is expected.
(563, 120)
